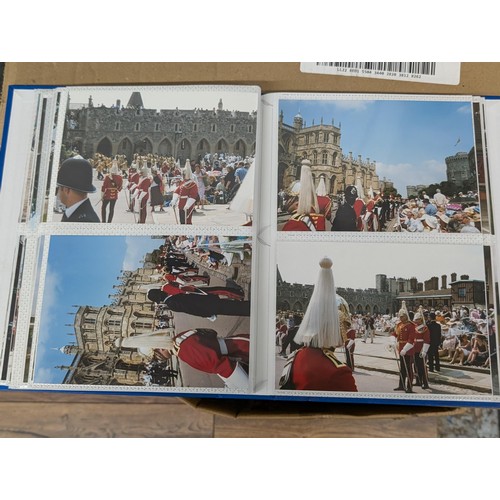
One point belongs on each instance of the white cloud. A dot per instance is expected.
(408, 174)
(465, 109)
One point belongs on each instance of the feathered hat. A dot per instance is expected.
(419, 315)
(307, 196)
(403, 311)
(320, 326)
(321, 189)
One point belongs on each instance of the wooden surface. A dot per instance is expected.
(36, 415)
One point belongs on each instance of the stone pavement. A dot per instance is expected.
(376, 357)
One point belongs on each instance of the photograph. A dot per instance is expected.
(377, 164)
(160, 311)
(180, 155)
(366, 318)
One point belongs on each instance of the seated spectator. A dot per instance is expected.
(462, 351)
(478, 355)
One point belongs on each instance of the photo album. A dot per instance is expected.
(217, 241)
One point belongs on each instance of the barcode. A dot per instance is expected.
(415, 68)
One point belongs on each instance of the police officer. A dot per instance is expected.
(74, 183)
(346, 218)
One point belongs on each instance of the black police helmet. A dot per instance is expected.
(76, 173)
(351, 193)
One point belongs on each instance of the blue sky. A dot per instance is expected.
(355, 266)
(81, 270)
(409, 140)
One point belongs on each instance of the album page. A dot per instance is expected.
(129, 236)
(381, 248)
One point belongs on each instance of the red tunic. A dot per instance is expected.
(111, 186)
(350, 335)
(175, 288)
(317, 369)
(311, 222)
(188, 189)
(405, 333)
(201, 349)
(325, 206)
(185, 279)
(133, 179)
(422, 336)
(143, 187)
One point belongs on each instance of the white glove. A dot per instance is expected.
(189, 203)
(175, 200)
(349, 344)
(425, 348)
(392, 340)
(405, 349)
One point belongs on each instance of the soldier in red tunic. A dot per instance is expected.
(142, 194)
(133, 179)
(227, 357)
(307, 216)
(324, 201)
(185, 196)
(174, 288)
(315, 366)
(422, 344)
(403, 340)
(111, 186)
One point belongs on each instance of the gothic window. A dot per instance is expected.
(250, 128)
(137, 127)
(326, 137)
(324, 158)
(195, 127)
(157, 127)
(138, 112)
(232, 128)
(213, 127)
(141, 324)
(307, 139)
(117, 126)
(177, 127)
(315, 157)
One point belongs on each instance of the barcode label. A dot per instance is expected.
(424, 72)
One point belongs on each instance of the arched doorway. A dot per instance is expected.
(143, 146)
(285, 306)
(183, 150)
(105, 147)
(297, 306)
(240, 148)
(202, 148)
(359, 309)
(165, 148)
(126, 148)
(222, 147)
